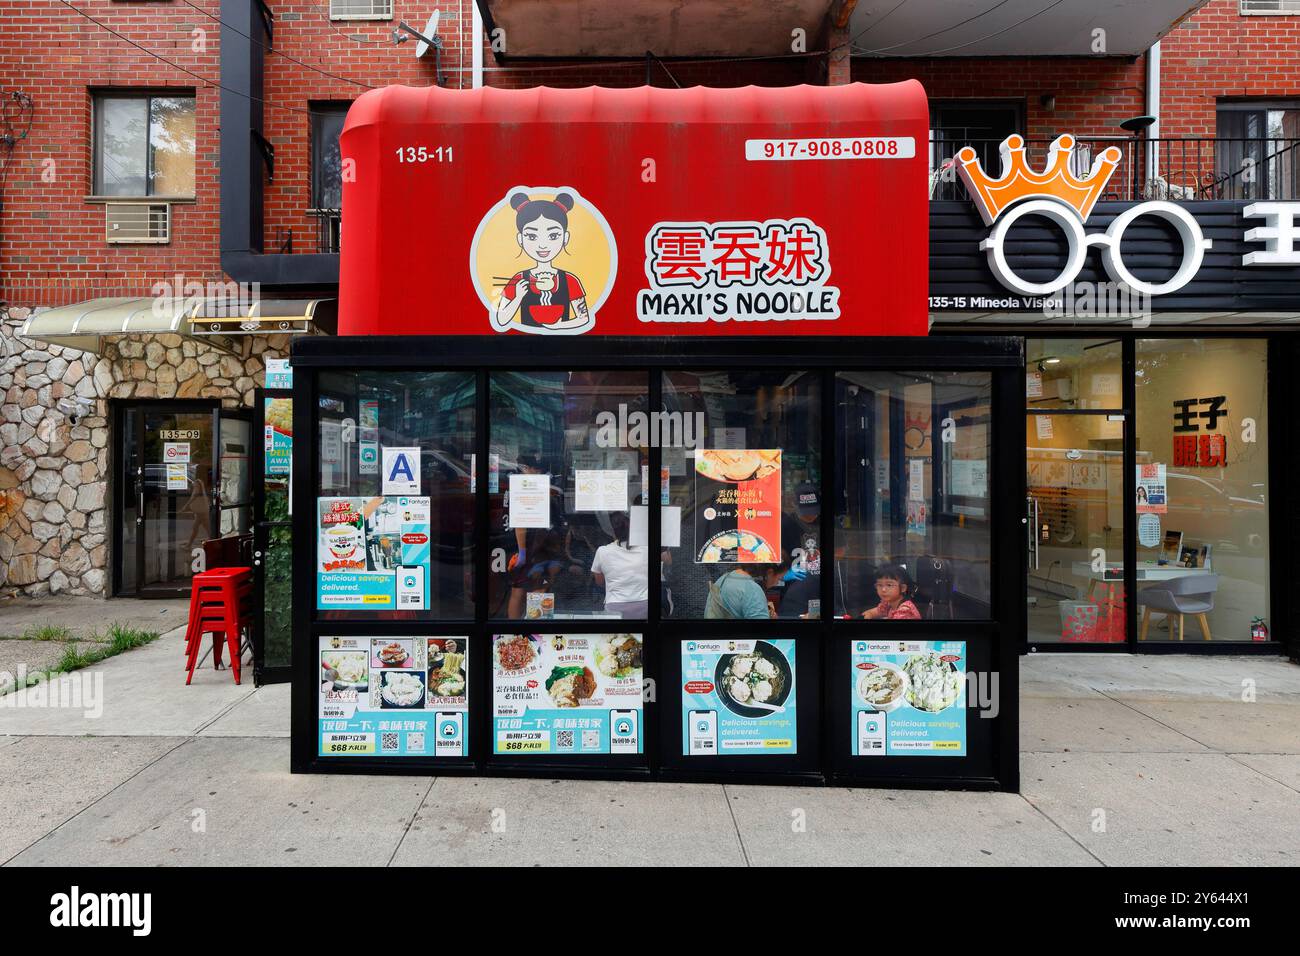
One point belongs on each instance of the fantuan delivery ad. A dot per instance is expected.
(373, 553)
(908, 698)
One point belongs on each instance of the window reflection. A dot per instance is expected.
(742, 513)
(565, 486)
(912, 494)
(359, 415)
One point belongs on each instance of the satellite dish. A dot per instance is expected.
(430, 31)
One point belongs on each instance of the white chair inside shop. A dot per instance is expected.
(1192, 594)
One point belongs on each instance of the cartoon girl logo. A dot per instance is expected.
(543, 262)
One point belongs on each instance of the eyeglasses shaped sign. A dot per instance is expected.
(1067, 200)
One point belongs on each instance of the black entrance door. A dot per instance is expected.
(182, 478)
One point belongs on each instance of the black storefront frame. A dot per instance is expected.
(1283, 567)
(998, 638)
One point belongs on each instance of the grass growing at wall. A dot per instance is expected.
(98, 647)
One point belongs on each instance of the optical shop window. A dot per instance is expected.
(1202, 490)
(567, 471)
(912, 497)
(741, 526)
(395, 503)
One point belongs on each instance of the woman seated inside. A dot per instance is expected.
(895, 589)
(737, 594)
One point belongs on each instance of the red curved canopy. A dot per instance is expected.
(750, 211)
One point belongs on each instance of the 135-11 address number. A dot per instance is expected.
(425, 154)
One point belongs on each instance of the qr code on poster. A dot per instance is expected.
(415, 742)
(388, 742)
(591, 740)
(564, 740)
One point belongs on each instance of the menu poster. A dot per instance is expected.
(908, 698)
(372, 553)
(1152, 495)
(278, 416)
(393, 697)
(738, 697)
(567, 694)
(738, 506)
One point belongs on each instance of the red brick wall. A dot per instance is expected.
(52, 248)
(1092, 95)
(362, 51)
(1220, 53)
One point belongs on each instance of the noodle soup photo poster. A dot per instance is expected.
(738, 697)
(908, 698)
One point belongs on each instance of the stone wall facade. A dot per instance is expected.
(55, 500)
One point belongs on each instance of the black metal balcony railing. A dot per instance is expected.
(1182, 169)
(328, 224)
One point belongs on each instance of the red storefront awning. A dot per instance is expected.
(751, 211)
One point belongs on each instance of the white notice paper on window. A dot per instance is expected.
(1044, 425)
(670, 527)
(530, 501)
(599, 490)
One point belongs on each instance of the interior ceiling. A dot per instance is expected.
(667, 28)
(914, 28)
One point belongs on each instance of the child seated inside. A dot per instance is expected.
(894, 588)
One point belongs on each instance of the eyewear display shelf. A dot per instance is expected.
(829, 737)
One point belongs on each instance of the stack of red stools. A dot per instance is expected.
(221, 604)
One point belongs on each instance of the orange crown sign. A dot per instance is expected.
(1018, 181)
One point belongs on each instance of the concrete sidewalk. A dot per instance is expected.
(1125, 761)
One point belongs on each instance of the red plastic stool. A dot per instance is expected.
(220, 605)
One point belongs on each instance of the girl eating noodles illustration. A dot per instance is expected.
(543, 299)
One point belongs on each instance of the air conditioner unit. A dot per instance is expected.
(361, 9)
(137, 222)
(1270, 6)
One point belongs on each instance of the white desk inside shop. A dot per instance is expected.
(1147, 572)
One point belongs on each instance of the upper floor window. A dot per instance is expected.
(1270, 6)
(326, 161)
(144, 145)
(361, 9)
(1258, 153)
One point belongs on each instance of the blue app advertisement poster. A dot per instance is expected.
(279, 435)
(567, 694)
(394, 697)
(738, 697)
(372, 553)
(908, 698)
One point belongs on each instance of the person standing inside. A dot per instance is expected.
(622, 569)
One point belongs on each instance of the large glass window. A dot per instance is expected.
(1074, 374)
(566, 476)
(742, 512)
(144, 146)
(912, 495)
(1202, 498)
(395, 507)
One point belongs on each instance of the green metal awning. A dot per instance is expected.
(83, 325)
